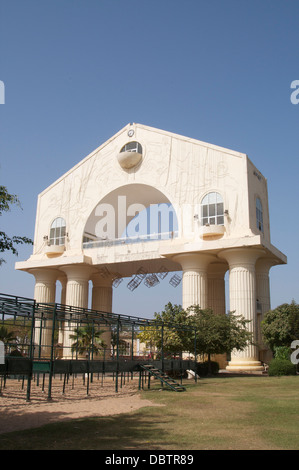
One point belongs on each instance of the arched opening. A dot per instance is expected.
(130, 214)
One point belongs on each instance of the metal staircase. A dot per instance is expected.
(164, 378)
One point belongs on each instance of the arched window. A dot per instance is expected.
(132, 147)
(57, 232)
(259, 215)
(212, 209)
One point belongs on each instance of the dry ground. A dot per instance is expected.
(18, 414)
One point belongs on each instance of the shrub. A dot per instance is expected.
(202, 368)
(16, 353)
(282, 352)
(281, 367)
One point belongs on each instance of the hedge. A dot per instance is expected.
(279, 367)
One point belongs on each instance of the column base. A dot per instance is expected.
(249, 366)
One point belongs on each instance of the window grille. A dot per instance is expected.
(212, 210)
(57, 232)
(132, 147)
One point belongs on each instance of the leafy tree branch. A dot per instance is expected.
(8, 243)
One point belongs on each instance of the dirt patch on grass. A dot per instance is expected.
(17, 414)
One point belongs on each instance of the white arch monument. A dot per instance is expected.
(215, 218)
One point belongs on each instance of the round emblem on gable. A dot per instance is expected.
(130, 132)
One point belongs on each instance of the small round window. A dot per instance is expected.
(132, 147)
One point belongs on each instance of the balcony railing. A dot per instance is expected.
(130, 240)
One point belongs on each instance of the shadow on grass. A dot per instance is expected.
(118, 432)
(207, 416)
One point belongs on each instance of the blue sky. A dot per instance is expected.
(77, 71)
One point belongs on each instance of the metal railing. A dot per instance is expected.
(37, 326)
(130, 240)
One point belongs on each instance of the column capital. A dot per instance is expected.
(194, 261)
(98, 280)
(241, 256)
(78, 272)
(217, 269)
(62, 277)
(263, 265)
(45, 284)
(45, 274)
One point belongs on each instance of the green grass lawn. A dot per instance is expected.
(223, 413)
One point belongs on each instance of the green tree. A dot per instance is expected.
(20, 331)
(219, 334)
(281, 325)
(9, 243)
(116, 339)
(87, 340)
(215, 334)
(6, 336)
(174, 337)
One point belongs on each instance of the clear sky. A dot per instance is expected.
(77, 71)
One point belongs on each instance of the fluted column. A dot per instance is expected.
(102, 301)
(45, 285)
(216, 299)
(263, 283)
(195, 279)
(77, 285)
(63, 280)
(76, 296)
(44, 292)
(242, 292)
(263, 296)
(216, 287)
(101, 293)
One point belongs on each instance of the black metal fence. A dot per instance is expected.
(48, 339)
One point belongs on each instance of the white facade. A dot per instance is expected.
(82, 217)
